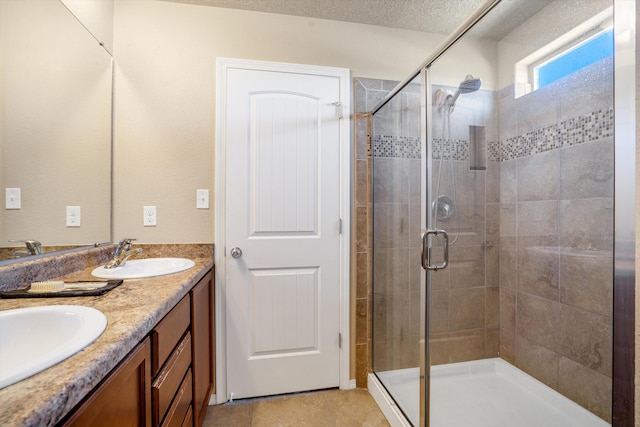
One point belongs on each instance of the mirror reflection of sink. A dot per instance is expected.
(33, 339)
(141, 268)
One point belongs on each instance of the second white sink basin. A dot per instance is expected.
(141, 268)
(34, 338)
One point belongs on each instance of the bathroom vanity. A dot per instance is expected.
(152, 366)
(165, 380)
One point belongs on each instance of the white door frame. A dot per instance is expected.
(223, 64)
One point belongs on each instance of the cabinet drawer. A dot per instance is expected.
(167, 333)
(188, 419)
(179, 409)
(166, 384)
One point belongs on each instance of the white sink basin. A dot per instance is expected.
(35, 338)
(141, 268)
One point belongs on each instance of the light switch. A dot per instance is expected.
(12, 198)
(202, 199)
(149, 219)
(73, 216)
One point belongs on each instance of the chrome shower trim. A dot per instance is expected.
(626, 214)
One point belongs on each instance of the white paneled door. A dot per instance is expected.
(282, 229)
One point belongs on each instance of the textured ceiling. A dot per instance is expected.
(435, 16)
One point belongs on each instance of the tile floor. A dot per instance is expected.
(324, 408)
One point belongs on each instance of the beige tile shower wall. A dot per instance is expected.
(464, 308)
(556, 225)
(361, 244)
(396, 231)
(465, 312)
(537, 223)
(465, 296)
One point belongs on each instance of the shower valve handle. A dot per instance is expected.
(426, 252)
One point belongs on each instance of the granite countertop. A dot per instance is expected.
(132, 310)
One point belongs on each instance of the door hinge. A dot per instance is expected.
(338, 105)
(339, 339)
(340, 225)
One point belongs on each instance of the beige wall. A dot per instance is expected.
(96, 16)
(165, 95)
(2, 185)
(55, 126)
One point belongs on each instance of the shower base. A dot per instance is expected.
(482, 393)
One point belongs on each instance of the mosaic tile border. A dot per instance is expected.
(494, 151)
(409, 148)
(456, 149)
(578, 130)
(404, 147)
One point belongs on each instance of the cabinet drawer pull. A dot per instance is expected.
(167, 382)
(181, 405)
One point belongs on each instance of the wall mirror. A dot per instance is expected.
(55, 129)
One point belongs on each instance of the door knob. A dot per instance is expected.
(236, 252)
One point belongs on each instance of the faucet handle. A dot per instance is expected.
(122, 253)
(34, 246)
(125, 244)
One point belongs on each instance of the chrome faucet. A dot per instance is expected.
(33, 248)
(122, 253)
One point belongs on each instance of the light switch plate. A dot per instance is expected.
(202, 199)
(149, 219)
(12, 198)
(73, 216)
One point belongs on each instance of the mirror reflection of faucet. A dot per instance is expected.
(122, 253)
(34, 247)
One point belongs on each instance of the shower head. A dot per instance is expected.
(468, 85)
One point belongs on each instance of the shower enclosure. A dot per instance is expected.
(493, 240)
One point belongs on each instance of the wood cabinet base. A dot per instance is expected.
(177, 356)
(124, 398)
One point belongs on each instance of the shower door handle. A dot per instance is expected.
(426, 250)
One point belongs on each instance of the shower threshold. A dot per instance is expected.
(481, 393)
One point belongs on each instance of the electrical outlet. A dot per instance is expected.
(202, 199)
(73, 216)
(149, 219)
(12, 198)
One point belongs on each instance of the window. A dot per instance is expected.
(581, 46)
(573, 59)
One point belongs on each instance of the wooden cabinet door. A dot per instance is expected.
(202, 341)
(123, 399)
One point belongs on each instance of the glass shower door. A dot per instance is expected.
(398, 290)
(463, 215)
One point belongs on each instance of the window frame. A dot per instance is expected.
(524, 70)
(564, 51)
